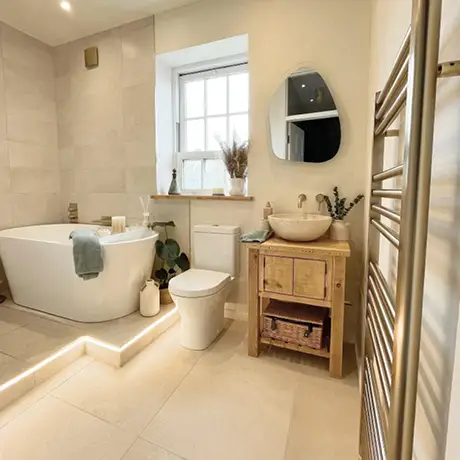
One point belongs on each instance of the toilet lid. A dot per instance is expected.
(198, 283)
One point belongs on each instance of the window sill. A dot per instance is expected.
(202, 197)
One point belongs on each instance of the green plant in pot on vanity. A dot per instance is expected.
(338, 211)
(170, 260)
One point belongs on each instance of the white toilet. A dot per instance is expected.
(200, 293)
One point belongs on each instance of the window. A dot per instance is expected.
(213, 107)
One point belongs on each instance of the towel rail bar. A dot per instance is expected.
(393, 112)
(387, 193)
(398, 83)
(387, 232)
(385, 290)
(400, 57)
(388, 174)
(382, 313)
(385, 212)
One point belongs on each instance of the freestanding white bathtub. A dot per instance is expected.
(39, 265)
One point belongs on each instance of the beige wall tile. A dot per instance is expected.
(109, 180)
(22, 49)
(140, 152)
(32, 104)
(6, 211)
(96, 118)
(4, 157)
(25, 155)
(140, 180)
(62, 85)
(93, 206)
(20, 79)
(108, 152)
(5, 179)
(2, 104)
(138, 56)
(27, 127)
(138, 112)
(37, 208)
(67, 158)
(107, 76)
(29, 180)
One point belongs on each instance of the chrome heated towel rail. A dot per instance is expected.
(392, 326)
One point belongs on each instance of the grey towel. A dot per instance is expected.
(87, 254)
(256, 236)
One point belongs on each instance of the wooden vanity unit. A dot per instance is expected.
(310, 273)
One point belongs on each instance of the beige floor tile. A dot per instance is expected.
(40, 390)
(143, 450)
(11, 319)
(230, 406)
(325, 420)
(54, 430)
(37, 340)
(10, 367)
(130, 396)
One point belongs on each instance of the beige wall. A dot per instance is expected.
(330, 36)
(106, 122)
(29, 172)
(390, 20)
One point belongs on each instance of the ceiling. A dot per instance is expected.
(49, 23)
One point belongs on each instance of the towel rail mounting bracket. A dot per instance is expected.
(449, 69)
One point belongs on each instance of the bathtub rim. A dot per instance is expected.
(5, 236)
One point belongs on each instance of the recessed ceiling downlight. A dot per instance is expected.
(66, 5)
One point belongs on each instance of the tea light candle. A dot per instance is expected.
(118, 224)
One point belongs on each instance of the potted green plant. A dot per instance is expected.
(338, 211)
(170, 260)
(235, 157)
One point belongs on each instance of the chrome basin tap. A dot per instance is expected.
(301, 199)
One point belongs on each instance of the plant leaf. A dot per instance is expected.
(173, 248)
(161, 275)
(168, 251)
(163, 224)
(182, 262)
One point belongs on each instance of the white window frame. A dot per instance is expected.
(181, 76)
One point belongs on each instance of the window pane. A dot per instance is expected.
(239, 127)
(195, 135)
(216, 95)
(217, 131)
(194, 99)
(191, 174)
(213, 174)
(239, 92)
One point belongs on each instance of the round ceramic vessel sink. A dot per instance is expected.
(300, 227)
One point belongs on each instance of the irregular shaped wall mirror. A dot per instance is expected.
(304, 121)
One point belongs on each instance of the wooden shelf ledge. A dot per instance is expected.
(202, 197)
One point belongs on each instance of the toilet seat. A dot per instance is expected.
(196, 283)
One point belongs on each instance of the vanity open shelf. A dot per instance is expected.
(299, 283)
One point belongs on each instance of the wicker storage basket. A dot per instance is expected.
(294, 323)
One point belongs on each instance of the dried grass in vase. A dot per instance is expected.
(235, 157)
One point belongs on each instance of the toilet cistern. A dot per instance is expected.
(301, 199)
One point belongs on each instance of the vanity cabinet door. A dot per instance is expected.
(310, 278)
(277, 274)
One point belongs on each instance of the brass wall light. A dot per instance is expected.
(91, 57)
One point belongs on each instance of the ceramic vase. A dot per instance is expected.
(237, 186)
(150, 298)
(340, 230)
